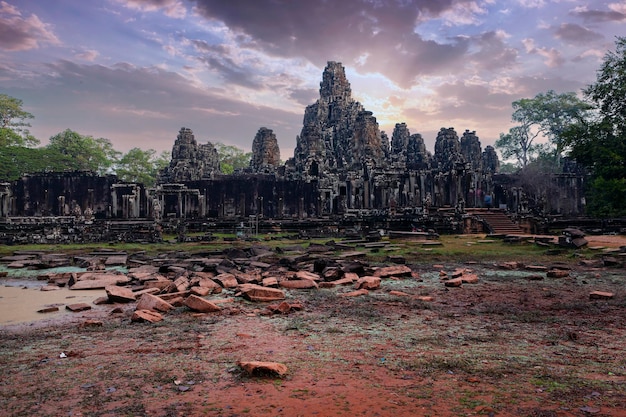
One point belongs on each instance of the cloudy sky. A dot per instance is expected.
(136, 71)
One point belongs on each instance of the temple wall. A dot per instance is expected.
(274, 196)
(73, 194)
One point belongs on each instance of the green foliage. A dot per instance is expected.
(547, 115)
(596, 145)
(609, 90)
(13, 123)
(78, 152)
(18, 160)
(551, 113)
(599, 142)
(517, 143)
(508, 168)
(141, 166)
(69, 150)
(232, 158)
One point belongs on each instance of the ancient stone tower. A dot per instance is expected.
(190, 161)
(337, 132)
(265, 151)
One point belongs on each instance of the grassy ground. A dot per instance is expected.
(462, 248)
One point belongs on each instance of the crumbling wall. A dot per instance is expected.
(62, 194)
(76, 194)
(240, 195)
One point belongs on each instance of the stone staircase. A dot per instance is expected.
(497, 221)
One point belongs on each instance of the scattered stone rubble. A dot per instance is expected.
(208, 283)
(211, 282)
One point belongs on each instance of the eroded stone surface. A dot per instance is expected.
(260, 368)
(190, 161)
(200, 304)
(149, 316)
(265, 151)
(153, 303)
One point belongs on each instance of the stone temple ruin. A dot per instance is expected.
(345, 174)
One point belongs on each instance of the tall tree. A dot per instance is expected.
(609, 90)
(79, 152)
(13, 124)
(599, 142)
(141, 166)
(550, 114)
(16, 161)
(547, 115)
(518, 143)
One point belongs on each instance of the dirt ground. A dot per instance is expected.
(516, 343)
(609, 241)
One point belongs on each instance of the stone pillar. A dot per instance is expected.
(349, 196)
(5, 199)
(61, 200)
(113, 201)
(161, 197)
(203, 205)
(90, 199)
(241, 207)
(281, 204)
(138, 202)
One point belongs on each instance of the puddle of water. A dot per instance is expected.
(19, 303)
(33, 273)
(21, 295)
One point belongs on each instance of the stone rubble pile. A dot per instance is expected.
(208, 283)
(218, 281)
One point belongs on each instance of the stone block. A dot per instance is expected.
(299, 284)
(454, 282)
(262, 368)
(368, 283)
(255, 292)
(557, 273)
(77, 307)
(226, 280)
(270, 282)
(146, 316)
(307, 275)
(601, 295)
(153, 303)
(201, 305)
(393, 271)
(120, 294)
(356, 293)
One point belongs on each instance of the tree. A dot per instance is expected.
(609, 90)
(551, 114)
(232, 158)
(508, 168)
(518, 143)
(547, 115)
(79, 152)
(598, 142)
(13, 125)
(16, 161)
(141, 166)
